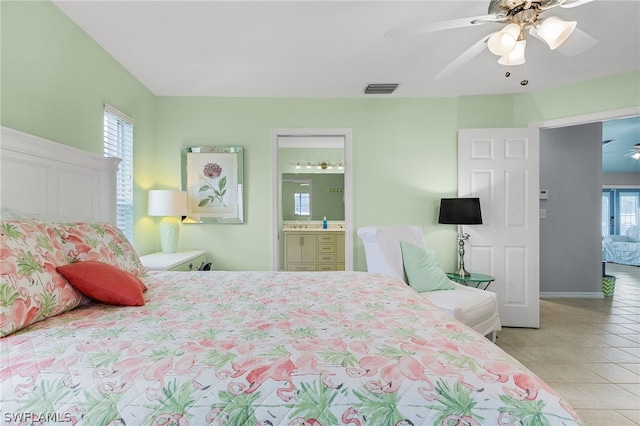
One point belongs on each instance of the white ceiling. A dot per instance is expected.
(335, 48)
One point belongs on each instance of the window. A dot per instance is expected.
(301, 204)
(620, 210)
(118, 142)
(628, 209)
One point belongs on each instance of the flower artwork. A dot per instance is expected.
(213, 187)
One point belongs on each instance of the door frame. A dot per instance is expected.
(597, 117)
(346, 134)
(587, 118)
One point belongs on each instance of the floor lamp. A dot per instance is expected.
(169, 204)
(460, 211)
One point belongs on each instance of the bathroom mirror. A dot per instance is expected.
(322, 169)
(312, 196)
(213, 179)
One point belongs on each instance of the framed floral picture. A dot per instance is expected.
(212, 178)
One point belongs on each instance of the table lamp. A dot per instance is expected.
(169, 204)
(460, 211)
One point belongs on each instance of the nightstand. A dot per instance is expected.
(474, 280)
(187, 260)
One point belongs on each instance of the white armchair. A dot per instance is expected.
(475, 308)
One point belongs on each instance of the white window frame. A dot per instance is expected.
(298, 199)
(118, 142)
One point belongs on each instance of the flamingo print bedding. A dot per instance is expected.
(268, 348)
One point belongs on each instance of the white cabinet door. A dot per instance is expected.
(501, 167)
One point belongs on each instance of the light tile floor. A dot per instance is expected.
(588, 350)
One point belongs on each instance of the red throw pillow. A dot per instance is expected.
(104, 283)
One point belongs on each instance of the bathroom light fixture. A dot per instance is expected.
(323, 165)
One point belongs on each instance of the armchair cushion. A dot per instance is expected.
(422, 269)
(473, 307)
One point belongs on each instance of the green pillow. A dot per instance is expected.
(422, 269)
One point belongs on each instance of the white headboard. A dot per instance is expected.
(41, 178)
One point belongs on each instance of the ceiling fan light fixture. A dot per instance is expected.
(554, 31)
(501, 44)
(504, 41)
(516, 57)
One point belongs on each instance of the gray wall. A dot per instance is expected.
(621, 179)
(570, 240)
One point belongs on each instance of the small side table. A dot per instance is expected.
(187, 260)
(473, 280)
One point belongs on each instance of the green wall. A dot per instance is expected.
(55, 80)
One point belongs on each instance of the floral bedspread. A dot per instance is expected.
(268, 348)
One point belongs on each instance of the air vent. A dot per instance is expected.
(380, 89)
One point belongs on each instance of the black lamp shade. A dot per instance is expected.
(460, 211)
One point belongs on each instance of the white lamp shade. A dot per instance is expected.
(167, 203)
(501, 44)
(516, 57)
(504, 41)
(554, 31)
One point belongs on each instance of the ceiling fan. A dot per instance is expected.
(634, 152)
(509, 43)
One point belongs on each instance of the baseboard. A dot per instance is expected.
(575, 295)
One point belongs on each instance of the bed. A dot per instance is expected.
(236, 347)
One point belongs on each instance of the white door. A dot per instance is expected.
(501, 167)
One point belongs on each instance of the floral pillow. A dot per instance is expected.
(103, 242)
(31, 289)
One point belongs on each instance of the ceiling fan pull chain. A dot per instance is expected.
(524, 82)
(508, 73)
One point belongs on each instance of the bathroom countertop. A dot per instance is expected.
(313, 228)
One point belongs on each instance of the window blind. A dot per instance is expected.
(118, 142)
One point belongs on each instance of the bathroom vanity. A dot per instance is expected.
(311, 248)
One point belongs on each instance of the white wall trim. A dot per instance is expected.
(588, 118)
(295, 138)
(576, 295)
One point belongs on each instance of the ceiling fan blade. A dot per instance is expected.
(575, 3)
(578, 42)
(465, 57)
(440, 26)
